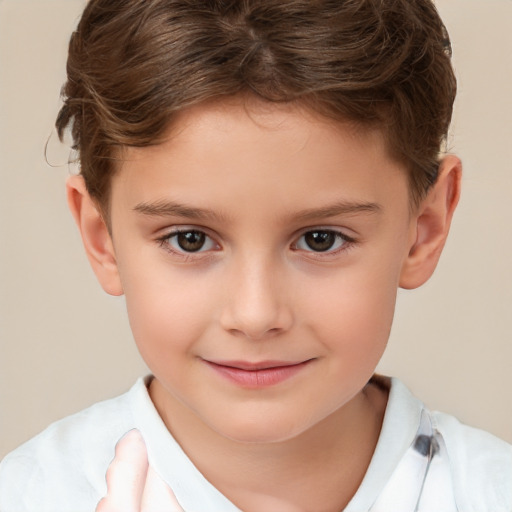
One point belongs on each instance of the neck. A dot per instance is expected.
(318, 470)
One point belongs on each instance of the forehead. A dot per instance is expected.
(284, 152)
(252, 119)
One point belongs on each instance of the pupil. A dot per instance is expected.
(191, 241)
(320, 240)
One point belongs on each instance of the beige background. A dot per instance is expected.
(64, 344)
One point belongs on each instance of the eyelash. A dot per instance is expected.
(165, 240)
(346, 243)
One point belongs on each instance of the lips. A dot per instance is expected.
(256, 375)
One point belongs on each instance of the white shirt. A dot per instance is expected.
(423, 461)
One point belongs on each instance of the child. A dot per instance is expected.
(258, 178)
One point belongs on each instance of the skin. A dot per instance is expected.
(132, 484)
(256, 180)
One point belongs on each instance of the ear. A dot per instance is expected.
(431, 223)
(95, 235)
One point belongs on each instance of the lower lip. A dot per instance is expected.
(255, 379)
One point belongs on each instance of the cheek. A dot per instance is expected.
(352, 314)
(168, 313)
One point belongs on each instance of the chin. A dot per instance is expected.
(259, 430)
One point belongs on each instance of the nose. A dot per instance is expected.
(256, 305)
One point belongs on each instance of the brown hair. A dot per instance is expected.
(133, 64)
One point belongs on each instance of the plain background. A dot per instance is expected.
(64, 344)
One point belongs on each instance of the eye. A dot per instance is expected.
(322, 240)
(189, 240)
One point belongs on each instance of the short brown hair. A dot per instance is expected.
(133, 64)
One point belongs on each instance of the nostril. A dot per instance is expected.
(254, 334)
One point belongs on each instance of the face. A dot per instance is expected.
(260, 252)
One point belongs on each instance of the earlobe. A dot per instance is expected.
(95, 235)
(431, 224)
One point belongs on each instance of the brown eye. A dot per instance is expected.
(321, 240)
(191, 240)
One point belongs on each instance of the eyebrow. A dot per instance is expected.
(166, 208)
(340, 208)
